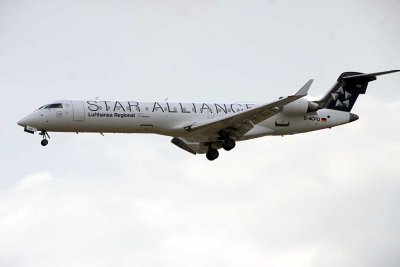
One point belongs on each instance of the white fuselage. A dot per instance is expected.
(167, 118)
(205, 127)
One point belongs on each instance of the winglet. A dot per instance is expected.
(304, 90)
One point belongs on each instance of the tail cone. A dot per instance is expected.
(353, 117)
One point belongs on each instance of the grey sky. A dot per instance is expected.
(328, 198)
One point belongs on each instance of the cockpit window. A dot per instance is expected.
(57, 105)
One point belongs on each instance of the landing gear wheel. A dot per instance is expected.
(44, 142)
(212, 154)
(228, 144)
(45, 135)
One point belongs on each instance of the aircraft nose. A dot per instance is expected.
(23, 122)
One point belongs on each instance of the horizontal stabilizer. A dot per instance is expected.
(368, 75)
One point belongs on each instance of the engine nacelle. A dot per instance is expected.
(300, 107)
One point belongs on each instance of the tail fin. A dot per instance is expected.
(345, 91)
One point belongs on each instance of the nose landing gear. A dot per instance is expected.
(45, 135)
(44, 142)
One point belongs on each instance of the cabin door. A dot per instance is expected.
(78, 110)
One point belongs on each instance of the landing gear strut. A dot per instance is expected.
(45, 135)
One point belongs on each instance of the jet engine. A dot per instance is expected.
(300, 107)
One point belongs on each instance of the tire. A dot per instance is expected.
(212, 154)
(44, 142)
(229, 144)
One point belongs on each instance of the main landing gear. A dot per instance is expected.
(45, 135)
(212, 154)
(227, 144)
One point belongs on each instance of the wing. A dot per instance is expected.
(236, 124)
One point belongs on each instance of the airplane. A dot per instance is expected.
(203, 128)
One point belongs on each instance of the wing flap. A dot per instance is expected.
(181, 144)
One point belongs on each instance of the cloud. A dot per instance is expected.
(32, 181)
(288, 204)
